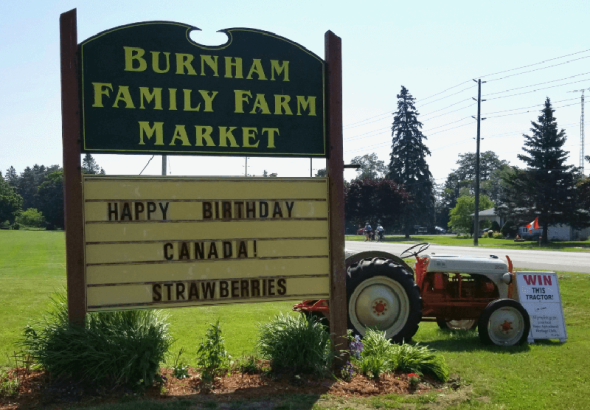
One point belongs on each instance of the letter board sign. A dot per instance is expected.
(173, 242)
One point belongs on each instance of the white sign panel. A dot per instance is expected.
(539, 295)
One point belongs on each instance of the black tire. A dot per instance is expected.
(450, 325)
(497, 319)
(376, 284)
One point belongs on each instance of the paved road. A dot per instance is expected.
(529, 259)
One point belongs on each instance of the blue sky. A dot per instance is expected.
(427, 46)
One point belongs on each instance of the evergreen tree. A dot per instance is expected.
(90, 166)
(50, 198)
(408, 166)
(548, 184)
(11, 177)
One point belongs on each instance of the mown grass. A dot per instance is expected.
(544, 375)
(454, 240)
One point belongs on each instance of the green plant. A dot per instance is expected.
(8, 387)
(295, 343)
(498, 235)
(420, 359)
(180, 368)
(413, 379)
(31, 217)
(376, 344)
(112, 348)
(373, 366)
(212, 356)
(249, 364)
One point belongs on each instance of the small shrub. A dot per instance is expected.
(111, 349)
(8, 388)
(16, 226)
(583, 238)
(249, 364)
(180, 368)
(498, 235)
(212, 356)
(31, 217)
(373, 366)
(420, 359)
(295, 343)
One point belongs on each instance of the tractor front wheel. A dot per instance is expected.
(504, 322)
(382, 295)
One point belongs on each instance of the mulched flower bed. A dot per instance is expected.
(36, 390)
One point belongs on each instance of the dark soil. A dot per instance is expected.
(37, 391)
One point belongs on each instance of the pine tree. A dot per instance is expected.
(90, 166)
(408, 166)
(548, 183)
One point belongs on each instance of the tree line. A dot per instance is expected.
(35, 197)
(404, 194)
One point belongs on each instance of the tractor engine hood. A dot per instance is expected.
(461, 264)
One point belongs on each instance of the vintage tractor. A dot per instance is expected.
(456, 292)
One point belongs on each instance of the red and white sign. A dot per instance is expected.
(539, 295)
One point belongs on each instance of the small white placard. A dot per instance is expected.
(539, 295)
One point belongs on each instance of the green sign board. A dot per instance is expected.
(148, 88)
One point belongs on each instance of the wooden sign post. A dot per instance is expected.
(146, 88)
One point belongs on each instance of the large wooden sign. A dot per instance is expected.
(171, 242)
(148, 88)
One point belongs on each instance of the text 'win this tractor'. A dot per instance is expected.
(457, 292)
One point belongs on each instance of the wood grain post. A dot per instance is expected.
(73, 217)
(335, 171)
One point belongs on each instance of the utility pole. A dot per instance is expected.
(479, 119)
(310, 167)
(246, 167)
(164, 160)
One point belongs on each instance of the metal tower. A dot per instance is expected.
(581, 129)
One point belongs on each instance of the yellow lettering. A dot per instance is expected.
(225, 134)
(271, 136)
(187, 101)
(101, 89)
(260, 105)
(282, 68)
(282, 103)
(134, 53)
(256, 68)
(156, 62)
(144, 94)
(123, 95)
(208, 99)
(249, 133)
(184, 61)
(180, 134)
(145, 129)
(240, 97)
(304, 103)
(229, 63)
(172, 93)
(204, 132)
(211, 62)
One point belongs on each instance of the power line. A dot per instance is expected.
(531, 106)
(531, 65)
(442, 92)
(539, 89)
(537, 69)
(450, 112)
(458, 92)
(150, 160)
(532, 85)
(518, 113)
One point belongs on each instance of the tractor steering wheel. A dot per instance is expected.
(410, 251)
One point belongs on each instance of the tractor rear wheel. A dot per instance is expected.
(462, 324)
(382, 295)
(504, 322)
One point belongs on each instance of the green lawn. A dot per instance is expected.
(454, 240)
(545, 375)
